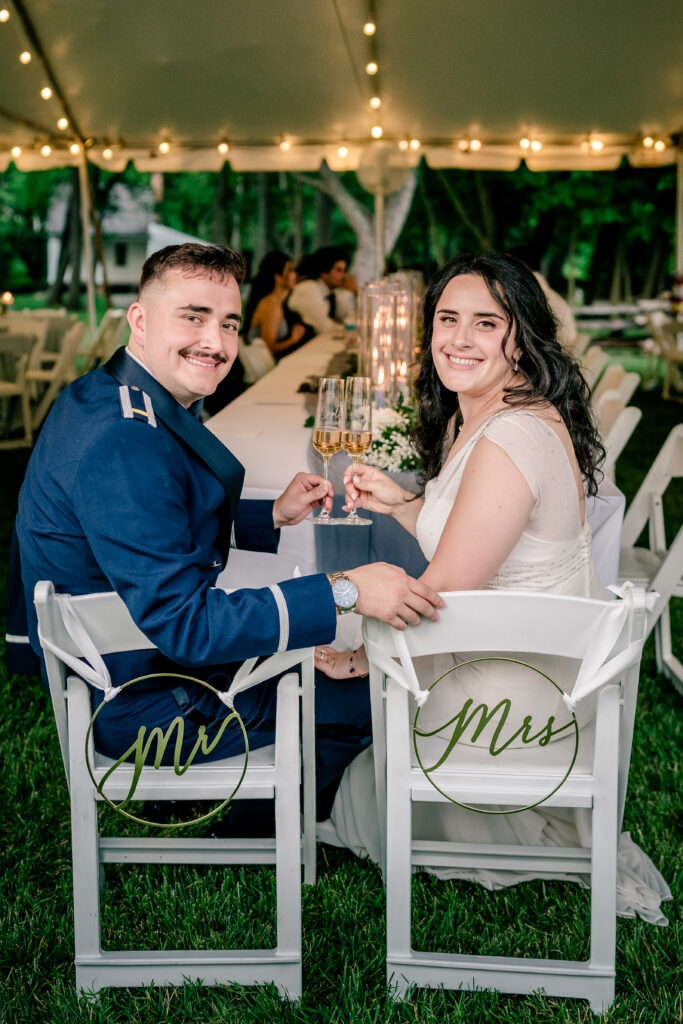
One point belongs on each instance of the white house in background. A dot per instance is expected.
(129, 235)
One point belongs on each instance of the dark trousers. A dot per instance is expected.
(342, 717)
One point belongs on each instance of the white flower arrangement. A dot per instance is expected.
(391, 448)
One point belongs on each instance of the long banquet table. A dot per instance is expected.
(264, 428)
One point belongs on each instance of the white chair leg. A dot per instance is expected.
(288, 834)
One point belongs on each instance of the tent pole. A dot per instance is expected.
(678, 268)
(87, 244)
(379, 235)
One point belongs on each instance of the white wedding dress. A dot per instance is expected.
(553, 554)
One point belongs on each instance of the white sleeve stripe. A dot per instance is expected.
(12, 639)
(283, 612)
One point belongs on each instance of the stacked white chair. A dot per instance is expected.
(108, 338)
(59, 374)
(606, 637)
(659, 566)
(592, 364)
(75, 632)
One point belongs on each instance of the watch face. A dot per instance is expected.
(345, 593)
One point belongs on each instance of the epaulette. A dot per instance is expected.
(130, 411)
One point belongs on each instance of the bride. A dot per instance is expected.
(503, 507)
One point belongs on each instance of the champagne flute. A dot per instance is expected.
(327, 431)
(357, 430)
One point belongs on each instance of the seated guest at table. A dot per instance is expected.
(503, 508)
(266, 314)
(327, 296)
(127, 490)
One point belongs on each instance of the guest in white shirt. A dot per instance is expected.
(326, 298)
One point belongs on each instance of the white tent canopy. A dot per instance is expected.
(129, 76)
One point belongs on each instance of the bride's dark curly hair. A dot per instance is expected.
(548, 372)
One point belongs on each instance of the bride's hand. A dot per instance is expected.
(368, 487)
(341, 664)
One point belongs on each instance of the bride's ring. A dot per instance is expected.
(322, 655)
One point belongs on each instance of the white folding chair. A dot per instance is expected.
(107, 339)
(256, 359)
(659, 566)
(611, 378)
(592, 365)
(61, 373)
(616, 423)
(16, 349)
(606, 639)
(75, 632)
(665, 333)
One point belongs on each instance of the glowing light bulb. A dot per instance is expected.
(25, 57)
(45, 150)
(660, 145)
(403, 144)
(4, 15)
(7, 298)
(63, 124)
(285, 145)
(16, 151)
(585, 146)
(376, 131)
(375, 103)
(648, 142)
(414, 143)
(74, 149)
(164, 147)
(369, 28)
(475, 145)
(536, 145)
(524, 143)
(371, 68)
(342, 151)
(107, 153)
(223, 148)
(597, 145)
(46, 92)
(463, 145)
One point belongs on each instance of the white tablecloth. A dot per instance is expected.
(264, 428)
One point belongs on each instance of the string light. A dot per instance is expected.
(74, 149)
(371, 68)
(342, 152)
(45, 150)
(524, 143)
(536, 145)
(164, 147)
(596, 145)
(648, 142)
(414, 143)
(46, 92)
(63, 124)
(375, 103)
(285, 145)
(369, 28)
(475, 145)
(377, 131)
(107, 153)
(25, 57)
(463, 145)
(660, 145)
(4, 15)
(7, 298)
(16, 151)
(403, 144)
(223, 148)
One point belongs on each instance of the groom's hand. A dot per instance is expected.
(388, 593)
(306, 492)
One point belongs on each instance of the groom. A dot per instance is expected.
(127, 490)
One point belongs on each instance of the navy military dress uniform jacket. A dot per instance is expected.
(118, 495)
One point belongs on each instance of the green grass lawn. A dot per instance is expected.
(343, 915)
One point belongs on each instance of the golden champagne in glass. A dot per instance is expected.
(357, 429)
(327, 431)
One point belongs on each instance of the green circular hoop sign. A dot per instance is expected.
(161, 747)
(427, 771)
